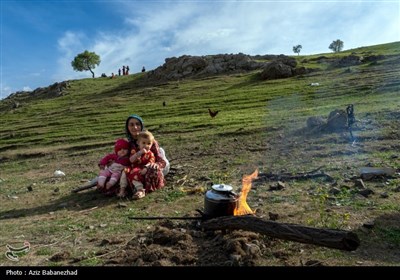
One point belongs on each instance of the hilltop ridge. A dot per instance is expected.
(186, 66)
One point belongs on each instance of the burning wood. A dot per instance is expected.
(242, 208)
(331, 238)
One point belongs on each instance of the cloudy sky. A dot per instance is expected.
(39, 39)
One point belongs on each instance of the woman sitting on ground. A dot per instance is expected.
(154, 177)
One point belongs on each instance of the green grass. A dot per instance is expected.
(259, 126)
(390, 234)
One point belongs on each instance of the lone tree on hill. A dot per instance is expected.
(297, 49)
(336, 46)
(86, 61)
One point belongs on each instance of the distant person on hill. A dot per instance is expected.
(143, 69)
(119, 72)
(127, 70)
(123, 70)
(112, 75)
(140, 161)
(112, 165)
(154, 176)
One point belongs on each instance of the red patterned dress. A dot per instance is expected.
(139, 164)
(154, 178)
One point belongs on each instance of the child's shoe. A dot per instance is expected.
(139, 194)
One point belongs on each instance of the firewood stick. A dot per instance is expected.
(331, 238)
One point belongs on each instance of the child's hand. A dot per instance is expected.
(137, 155)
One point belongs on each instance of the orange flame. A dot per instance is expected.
(242, 208)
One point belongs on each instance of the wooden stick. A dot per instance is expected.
(331, 238)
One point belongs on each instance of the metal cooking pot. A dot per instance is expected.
(220, 201)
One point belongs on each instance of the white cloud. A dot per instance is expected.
(150, 33)
(70, 41)
(153, 33)
(70, 44)
(5, 91)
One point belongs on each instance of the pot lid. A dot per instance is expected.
(222, 188)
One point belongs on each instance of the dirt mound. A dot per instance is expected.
(185, 244)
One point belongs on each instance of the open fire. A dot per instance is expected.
(221, 201)
(242, 208)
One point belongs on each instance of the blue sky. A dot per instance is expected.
(39, 39)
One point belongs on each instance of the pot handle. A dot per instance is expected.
(232, 193)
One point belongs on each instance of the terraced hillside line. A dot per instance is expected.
(261, 124)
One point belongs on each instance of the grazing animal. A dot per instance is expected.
(212, 114)
(164, 104)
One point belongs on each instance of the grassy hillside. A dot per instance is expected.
(261, 125)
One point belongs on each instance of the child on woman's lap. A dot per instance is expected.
(140, 163)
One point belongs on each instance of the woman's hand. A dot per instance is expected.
(143, 171)
(152, 165)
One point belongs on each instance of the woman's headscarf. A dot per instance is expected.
(128, 134)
